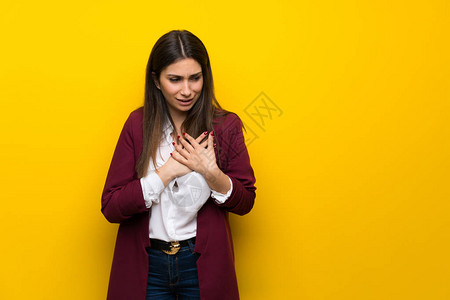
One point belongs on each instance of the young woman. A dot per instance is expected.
(179, 167)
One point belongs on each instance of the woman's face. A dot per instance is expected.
(181, 84)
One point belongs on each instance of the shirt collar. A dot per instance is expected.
(167, 130)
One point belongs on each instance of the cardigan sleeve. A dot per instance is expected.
(237, 168)
(122, 195)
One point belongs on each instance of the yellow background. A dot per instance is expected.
(352, 177)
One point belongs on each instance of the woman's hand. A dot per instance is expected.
(199, 157)
(202, 159)
(172, 168)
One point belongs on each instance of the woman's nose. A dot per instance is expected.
(186, 90)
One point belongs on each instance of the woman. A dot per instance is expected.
(179, 167)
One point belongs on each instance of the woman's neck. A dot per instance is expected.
(178, 119)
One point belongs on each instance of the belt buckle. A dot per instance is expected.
(174, 248)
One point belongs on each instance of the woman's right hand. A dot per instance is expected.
(172, 168)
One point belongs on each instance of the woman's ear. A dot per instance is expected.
(155, 80)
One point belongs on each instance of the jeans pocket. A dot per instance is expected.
(191, 249)
(195, 254)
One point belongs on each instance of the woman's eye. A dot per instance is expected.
(178, 79)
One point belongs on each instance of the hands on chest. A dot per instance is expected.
(195, 154)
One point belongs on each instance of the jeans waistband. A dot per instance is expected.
(169, 247)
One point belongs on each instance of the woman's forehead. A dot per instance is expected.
(183, 67)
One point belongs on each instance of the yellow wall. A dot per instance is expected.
(352, 168)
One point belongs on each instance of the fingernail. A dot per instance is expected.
(170, 154)
(205, 133)
(184, 133)
(214, 145)
(173, 143)
(212, 133)
(178, 137)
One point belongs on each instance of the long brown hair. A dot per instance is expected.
(171, 47)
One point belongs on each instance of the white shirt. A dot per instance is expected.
(174, 207)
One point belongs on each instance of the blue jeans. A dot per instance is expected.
(173, 276)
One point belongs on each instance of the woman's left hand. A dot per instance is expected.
(202, 160)
(195, 156)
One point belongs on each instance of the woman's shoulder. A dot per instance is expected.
(137, 114)
(133, 123)
(135, 117)
(225, 118)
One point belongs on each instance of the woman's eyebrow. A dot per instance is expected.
(182, 76)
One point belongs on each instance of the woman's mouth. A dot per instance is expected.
(185, 101)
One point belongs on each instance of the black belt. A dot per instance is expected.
(169, 247)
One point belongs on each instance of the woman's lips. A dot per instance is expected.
(185, 102)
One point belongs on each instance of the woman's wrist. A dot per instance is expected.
(217, 180)
(165, 174)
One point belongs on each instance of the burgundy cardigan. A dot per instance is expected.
(123, 202)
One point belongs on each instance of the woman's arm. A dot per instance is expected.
(237, 167)
(122, 195)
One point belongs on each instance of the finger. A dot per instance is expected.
(204, 144)
(211, 140)
(178, 157)
(179, 148)
(182, 151)
(209, 154)
(191, 140)
(185, 144)
(201, 137)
